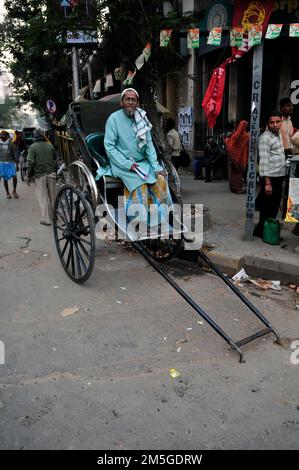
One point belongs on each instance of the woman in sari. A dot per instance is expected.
(237, 145)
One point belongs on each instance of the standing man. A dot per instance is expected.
(41, 168)
(272, 171)
(286, 130)
(133, 159)
(8, 164)
(19, 144)
(174, 141)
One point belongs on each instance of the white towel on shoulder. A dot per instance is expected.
(141, 126)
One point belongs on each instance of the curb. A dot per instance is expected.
(255, 267)
(271, 269)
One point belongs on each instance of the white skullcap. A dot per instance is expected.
(129, 89)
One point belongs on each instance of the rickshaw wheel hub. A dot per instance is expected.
(68, 233)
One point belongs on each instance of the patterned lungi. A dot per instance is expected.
(153, 200)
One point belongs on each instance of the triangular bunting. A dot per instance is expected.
(273, 31)
(129, 79)
(118, 73)
(214, 38)
(294, 30)
(165, 36)
(98, 86)
(255, 36)
(193, 38)
(236, 37)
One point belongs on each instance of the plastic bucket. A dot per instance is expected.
(271, 233)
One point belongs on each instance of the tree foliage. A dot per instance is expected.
(8, 111)
(129, 26)
(41, 64)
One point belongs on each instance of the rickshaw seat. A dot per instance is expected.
(95, 143)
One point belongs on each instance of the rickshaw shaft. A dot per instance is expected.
(188, 299)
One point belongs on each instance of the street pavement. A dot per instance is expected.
(99, 379)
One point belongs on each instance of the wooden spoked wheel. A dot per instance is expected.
(74, 231)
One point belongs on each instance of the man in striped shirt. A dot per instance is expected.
(272, 171)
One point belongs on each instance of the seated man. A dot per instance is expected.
(133, 159)
(211, 155)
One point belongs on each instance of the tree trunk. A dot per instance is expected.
(147, 93)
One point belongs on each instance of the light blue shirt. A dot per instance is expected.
(122, 151)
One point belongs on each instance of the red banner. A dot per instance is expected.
(246, 15)
(212, 101)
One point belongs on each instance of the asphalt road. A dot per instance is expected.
(99, 378)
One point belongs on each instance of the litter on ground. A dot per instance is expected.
(258, 283)
(174, 373)
(69, 311)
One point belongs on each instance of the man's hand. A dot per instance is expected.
(268, 189)
(161, 172)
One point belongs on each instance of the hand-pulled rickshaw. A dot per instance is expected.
(81, 148)
(75, 216)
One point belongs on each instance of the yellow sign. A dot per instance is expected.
(253, 16)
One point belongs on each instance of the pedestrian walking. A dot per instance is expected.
(19, 144)
(237, 146)
(41, 168)
(174, 141)
(8, 164)
(272, 171)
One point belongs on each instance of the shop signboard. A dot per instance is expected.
(81, 37)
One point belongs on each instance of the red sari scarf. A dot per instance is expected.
(237, 146)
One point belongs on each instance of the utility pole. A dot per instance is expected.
(75, 65)
(89, 74)
(257, 71)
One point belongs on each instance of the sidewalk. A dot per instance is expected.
(226, 230)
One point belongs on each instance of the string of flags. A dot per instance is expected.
(236, 35)
(237, 39)
(143, 58)
(119, 71)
